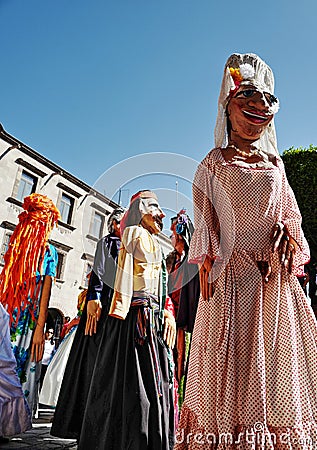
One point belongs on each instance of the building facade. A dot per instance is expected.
(83, 222)
(83, 211)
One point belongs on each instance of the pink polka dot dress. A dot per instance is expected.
(252, 378)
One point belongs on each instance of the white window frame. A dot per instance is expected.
(66, 217)
(27, 185)
(97, 224)
(61, 264)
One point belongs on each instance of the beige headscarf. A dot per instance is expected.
(250, 69)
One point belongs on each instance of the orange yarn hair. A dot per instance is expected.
(26, 252)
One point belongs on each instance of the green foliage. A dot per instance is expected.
(301, 169)
(182, 381)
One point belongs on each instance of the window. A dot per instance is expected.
(62, 253)
(97, 225)
(27, 185)
(5, 245)
(60, 265)
(88, 268)
(66, 208)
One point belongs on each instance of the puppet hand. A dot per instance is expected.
(94, 308)
(265, 269)
(37, 347)
(169, 329)
(72, 324)
(206, 286)
(285, 244)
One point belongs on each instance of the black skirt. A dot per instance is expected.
(127, 408)
(73, 395)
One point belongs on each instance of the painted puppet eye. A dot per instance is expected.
(247, 93)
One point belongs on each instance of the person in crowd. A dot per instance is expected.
(184, 290)
(15, 417)
(252, 368)
(183, 284)
(130, 402)
(49, 348)
(25, 286)
(73, 394)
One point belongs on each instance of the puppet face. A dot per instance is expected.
(249, 112)
(116, 227)
(152, 215)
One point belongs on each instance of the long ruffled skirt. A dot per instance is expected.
(252, 380)
(127, 407)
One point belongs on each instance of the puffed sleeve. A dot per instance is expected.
(123, 286)
(205, 239)
(292, 219)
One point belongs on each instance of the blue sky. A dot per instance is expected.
(89, 84)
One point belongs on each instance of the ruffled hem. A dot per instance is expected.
(14, 416)
(259, 436)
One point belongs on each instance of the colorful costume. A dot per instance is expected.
(183, 290)
(21, 334)
(130, 402)
(183, 287)
(252, 369)
(30, 265)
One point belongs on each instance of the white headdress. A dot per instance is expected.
(244, 69)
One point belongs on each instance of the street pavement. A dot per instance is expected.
(39, 437)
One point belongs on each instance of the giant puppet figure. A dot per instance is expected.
(130, 402)
(252, 376)
(25, 287)
(183, 286)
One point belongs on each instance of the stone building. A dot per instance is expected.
(83, 221)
